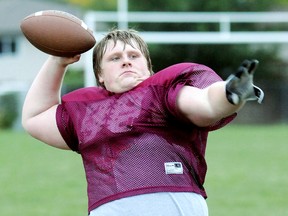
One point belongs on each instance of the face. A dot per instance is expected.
(122, 67)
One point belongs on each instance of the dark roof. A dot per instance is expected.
(13, 11)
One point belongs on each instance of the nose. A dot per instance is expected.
(126, 61)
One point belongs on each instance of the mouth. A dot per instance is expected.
(127, 72)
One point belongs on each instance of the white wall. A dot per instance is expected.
(24, 64)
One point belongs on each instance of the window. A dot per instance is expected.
(7, 45)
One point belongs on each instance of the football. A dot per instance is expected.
(57, 33)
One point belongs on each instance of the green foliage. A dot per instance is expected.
(74, 79)
(8, 110)
(181, 5)
(211, 5)
(224, 59)
(107, 5)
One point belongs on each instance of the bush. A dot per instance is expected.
(8, 110)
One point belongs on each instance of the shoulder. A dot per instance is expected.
(85, 94)
(189, 72)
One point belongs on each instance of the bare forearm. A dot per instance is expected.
(39, 109)
(44, 92)
(218, 103)
(206, 106)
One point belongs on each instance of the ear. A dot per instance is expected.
(100, 78)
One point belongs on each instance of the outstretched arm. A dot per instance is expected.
(39, 109)
(205, 107)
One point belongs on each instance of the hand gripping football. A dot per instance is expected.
(57, 33)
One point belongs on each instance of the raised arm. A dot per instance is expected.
(206, 106)
(39, 109)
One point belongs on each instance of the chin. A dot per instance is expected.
(123, 88)
(125, 85)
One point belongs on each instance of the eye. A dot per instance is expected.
(115, 58)
(133, 56)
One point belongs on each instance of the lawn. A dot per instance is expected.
(37, 179)
(246, 174)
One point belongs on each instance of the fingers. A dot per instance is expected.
(76, 58)
(72, 59)
(250, 65)
(253, 66)
(240, 86)
(66, 60)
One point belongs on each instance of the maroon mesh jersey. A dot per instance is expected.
(138, 142)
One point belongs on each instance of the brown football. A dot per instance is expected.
(57, 33)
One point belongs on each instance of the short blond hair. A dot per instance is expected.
(126, 36)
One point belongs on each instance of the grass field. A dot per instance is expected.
(247, 174)
(247, 171)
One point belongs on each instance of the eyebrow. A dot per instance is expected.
(120, 52)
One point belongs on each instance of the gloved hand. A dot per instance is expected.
(240, 85)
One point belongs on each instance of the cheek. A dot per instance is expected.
(104, 75)
(144, 65)
(107, 80)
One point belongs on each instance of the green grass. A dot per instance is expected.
(246, 174)
(247, 171)
(36, 179)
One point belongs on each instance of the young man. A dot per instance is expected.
(142, 136)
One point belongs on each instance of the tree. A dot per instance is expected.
(106, 5)
(222, 58)
(207, 5)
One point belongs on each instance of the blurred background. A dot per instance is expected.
(219, 34)
(247, 160)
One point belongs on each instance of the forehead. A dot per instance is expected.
(119, 45)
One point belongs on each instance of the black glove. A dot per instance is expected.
(240, 85)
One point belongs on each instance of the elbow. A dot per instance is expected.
(205, 121)
(26, 125)
(24, 122)
(31, 128)
(25, 119)
(207, 118)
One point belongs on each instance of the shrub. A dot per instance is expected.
(8, 110)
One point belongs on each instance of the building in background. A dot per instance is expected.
(19, 60)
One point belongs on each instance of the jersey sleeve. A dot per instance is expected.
(65, 127)
(67, 110)
(195, 75)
